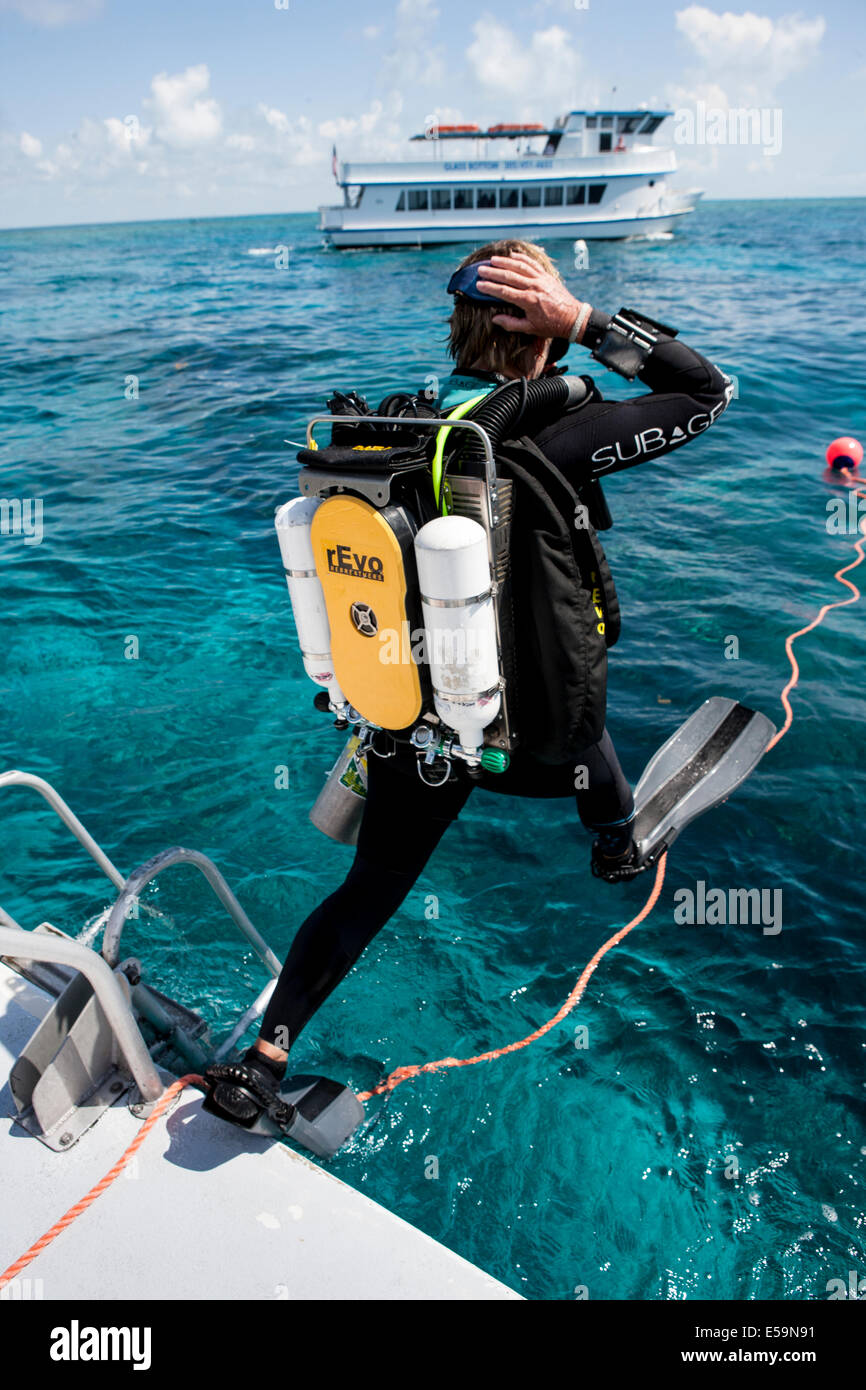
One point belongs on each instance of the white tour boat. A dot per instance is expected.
(595, 174)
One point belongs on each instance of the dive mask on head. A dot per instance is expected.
(465, 281)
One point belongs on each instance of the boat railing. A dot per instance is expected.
(131, 887)
(69, 818)
(39, 946)
(121, 1007)
(166, 859)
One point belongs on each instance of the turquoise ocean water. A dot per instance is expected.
(609, 1167)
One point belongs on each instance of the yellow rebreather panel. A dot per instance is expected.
(359, 561)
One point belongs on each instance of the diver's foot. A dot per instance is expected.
(266, 1063)
(241, 1093)
(613, 867)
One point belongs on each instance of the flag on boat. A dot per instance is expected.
(334, 162)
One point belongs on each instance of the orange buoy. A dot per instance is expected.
(844, 454)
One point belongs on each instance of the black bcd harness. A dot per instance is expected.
(565, 607)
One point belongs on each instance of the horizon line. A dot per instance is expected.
(311, 212)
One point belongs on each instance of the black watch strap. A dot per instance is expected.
(628, 340)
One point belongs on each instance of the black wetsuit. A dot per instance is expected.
(404, 819)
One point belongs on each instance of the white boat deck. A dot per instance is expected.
(203, 1211)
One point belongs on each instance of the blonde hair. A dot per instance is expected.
(474, 337)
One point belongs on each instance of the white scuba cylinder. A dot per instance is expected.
(293, 521)
(459, 625)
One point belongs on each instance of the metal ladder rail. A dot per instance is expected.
(108, 992)
(69, 818)
(170, 856)
(15, 778)
(167, 858)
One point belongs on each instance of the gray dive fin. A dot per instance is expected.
(324, 1114)
(699, 766)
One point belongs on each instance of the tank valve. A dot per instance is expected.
(495, 760)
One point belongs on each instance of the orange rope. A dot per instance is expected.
(828, 607)
(405, 1073)
(38, 1246)
(401, 1074)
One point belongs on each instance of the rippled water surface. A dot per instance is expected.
(708, 1142)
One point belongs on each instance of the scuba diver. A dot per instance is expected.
(513, 319)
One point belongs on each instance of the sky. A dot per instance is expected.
(112, 110)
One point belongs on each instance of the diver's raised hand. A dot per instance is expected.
(550, 309)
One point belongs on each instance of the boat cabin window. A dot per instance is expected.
(553, 197)
(591, 122)
(441, 198)
(464, 197)
(627, 125)
(508, 197)
(596, 192)
(401, 202)
(605, 141)
(531, 198)
(607, 122)
(417, 199)
(486, 198)
(575, 193)
(651, 125)
(354, 195)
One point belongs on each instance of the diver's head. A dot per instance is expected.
(477, 342)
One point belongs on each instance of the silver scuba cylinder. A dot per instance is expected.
(293, 522)
(460, 626)
(339, 807)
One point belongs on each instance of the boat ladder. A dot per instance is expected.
(89, 1049)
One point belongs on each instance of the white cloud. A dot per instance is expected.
(759, 50)
(183, 115)
(741, 59)
(184, 142)
(128, 137)
(294, 141)
(375, 134)
(414, 12)
(277, 119)
(50, 14)
(543, 72)
(352, 125)
(372, 31)
(412, 60)
(710, 93)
